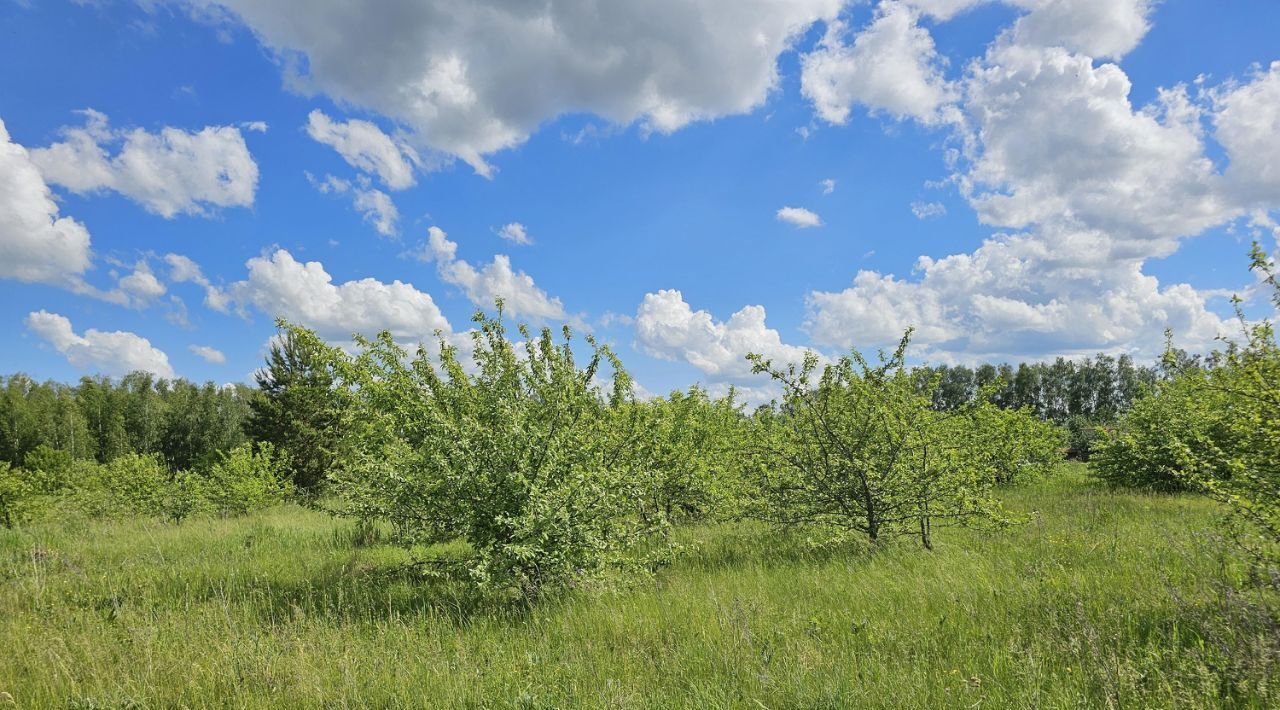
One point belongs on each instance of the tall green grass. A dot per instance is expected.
(1102, 599)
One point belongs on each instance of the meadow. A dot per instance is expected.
(1098, 598)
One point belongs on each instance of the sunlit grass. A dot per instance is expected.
(1101, 599)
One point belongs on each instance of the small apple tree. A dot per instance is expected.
(858, 448)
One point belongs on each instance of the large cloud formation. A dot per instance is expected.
(1089, 188)
(37, 244)
(469, 79)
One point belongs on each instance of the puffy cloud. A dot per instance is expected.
(304, 293)
(374, 205)
(140, 286)
(943, 9)
(364, 146)
(1053, 146)
(520, 296)
(1059, 141)
(111, 353)
(667, 327)
(1098, 28)
(828, 186)
(470, 79)
(169, 173)
(1015, 297)
(36, 244)
(799, 217)
(209, 354)
(928, 210)
(1247, 125)
(891, 66)
(183, 270)
(515, 233)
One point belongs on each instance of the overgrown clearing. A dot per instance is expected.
(1103, 598)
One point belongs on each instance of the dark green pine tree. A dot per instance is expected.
(298, 411)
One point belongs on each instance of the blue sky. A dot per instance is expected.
(1080, 174)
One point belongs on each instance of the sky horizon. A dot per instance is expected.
(689, 180)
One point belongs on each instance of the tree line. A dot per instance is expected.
(187, 424)
(100, 419)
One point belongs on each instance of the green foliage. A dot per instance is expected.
(861, 449)
(1014, 444)
(49, 468)
(183, 423)
(245, 479)
(1246, 389)
(520, 458)
(16, 494)
(133, 484)
(685, 456)
(1176, 439)
(1082, 434)
(298, 410)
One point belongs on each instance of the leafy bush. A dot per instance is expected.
(861, 449)
(1246, 392)
(243, 480)
(685, 455)
(132, 484)
(1014, 444)
(15, 495)
(48, 469)
(1176, 439)
(522, 457)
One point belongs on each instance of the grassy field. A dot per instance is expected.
(1102, 599)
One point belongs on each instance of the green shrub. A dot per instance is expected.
(861, 449)
(520, 457)
(1176, 439)
(1013, 444)
(48, 469)
(16, 495)
(243, 480)
(686, 450)
(1245, 391)
(132, 484)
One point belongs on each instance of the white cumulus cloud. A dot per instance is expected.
(304, 293)
(799, 217)
(108, 352)
(364, 146)
(890, 66)
(140, 286)
(170, 172)
(668, 328)
(37, 244)
(497, 279)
